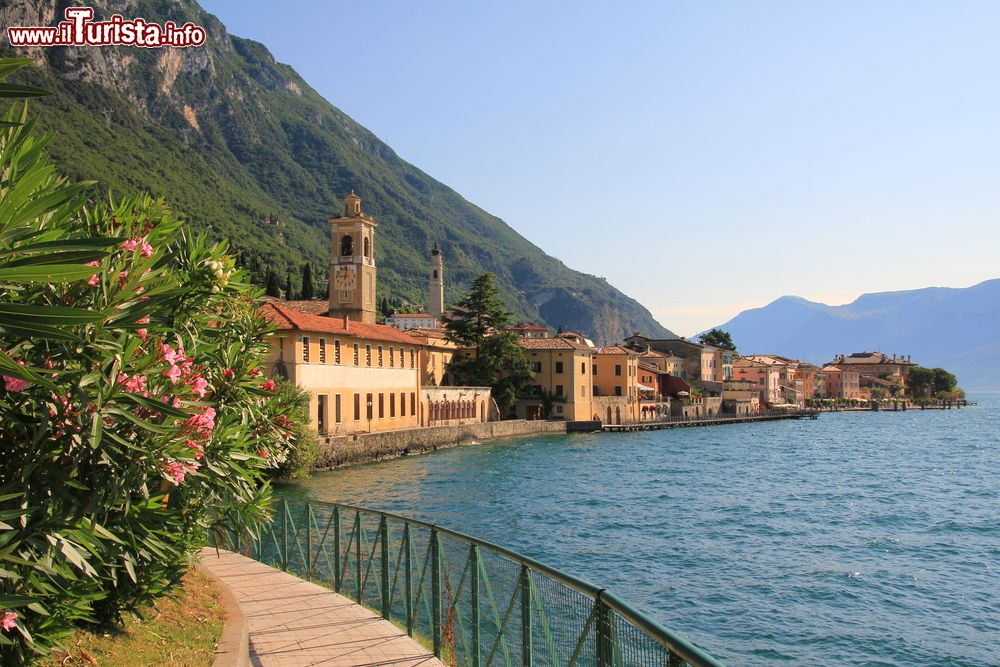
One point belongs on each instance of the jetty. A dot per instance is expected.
(682, 422)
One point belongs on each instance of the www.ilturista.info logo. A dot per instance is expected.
(79, 30)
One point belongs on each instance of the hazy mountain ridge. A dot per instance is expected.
(955, 328)
(230, 138)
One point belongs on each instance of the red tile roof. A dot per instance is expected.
(617, 349)
(310, 306)
(287, 318)
(553, 344)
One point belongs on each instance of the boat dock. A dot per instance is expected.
(680, 422)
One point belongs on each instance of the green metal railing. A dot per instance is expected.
(472, 602)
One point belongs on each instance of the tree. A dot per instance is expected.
(135, 415)
(930, 382)
(308, 292)
(271, 285)
(488, 356)
(289, 289)
(718, 338)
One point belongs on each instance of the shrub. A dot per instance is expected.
(135, 415)
(303, 449)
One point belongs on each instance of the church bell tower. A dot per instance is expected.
(436, 282)
(352, 263)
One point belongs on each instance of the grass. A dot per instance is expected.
(181, 631)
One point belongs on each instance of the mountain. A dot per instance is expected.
(952, 328)
(235, 141)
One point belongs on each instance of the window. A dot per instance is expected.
(559, 390)
(305, 349)
(618, 390)
(380, 356)
(392, 405)
(583, 390)
(413, 402)
(412, 362)
(336, 409)
(357, 407)
(402, 364)
(381, 406)
(402, 404)
(392, 358)
(559, 409)
(357, 355)
(367, 247)
(345, 296)
(368, 355)
(370, 406)
(435, 275)
(336, 351)
(595, 369)
(322, 350)
(583, 367)
(346, 245)
(559, 367)
(536, 367)
(618, 369)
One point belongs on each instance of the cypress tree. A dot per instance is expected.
(307, 282)
(271, 285)
(289, 294)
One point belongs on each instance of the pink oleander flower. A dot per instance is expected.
(169, 354)
(197, 447)
(203, 422)
(176, 402)
(199, 386)
(263, 453)
(143, 333)
(174, 373)
(8, 621)
(143, 320)
(136, 384)
(146, 250)
(177, 470)
(130, 245)
(254, 372)
(14, 384)
(122, 277)
(229, 374)
(94, 279)
(268, 386)
(94, 263)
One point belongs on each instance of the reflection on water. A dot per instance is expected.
(865, 538)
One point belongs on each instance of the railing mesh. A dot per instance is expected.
(471, 602)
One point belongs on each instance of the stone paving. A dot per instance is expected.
(294, 622)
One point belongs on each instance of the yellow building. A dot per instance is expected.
(435, 355)
(616, 384)
(562, 372)
(361, 377)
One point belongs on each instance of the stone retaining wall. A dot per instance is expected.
(336, 451)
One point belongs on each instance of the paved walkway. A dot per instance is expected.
(293, 622)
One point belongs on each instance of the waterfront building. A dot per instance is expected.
(703, 364)
(893, 370)
(841, 383)
(615, 372)
(762, 377)
(790, 388)
(562, 380)
(362, 376)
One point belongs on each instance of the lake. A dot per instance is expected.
(858, 538)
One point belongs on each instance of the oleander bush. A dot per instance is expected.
(135, 414)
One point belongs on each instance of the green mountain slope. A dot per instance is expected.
(234, 140)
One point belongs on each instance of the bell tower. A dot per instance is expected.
(436, 282)
(352, 263)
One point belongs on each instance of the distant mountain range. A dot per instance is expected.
(954, 328)
(235, 141)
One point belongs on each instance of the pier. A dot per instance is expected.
(680, 422)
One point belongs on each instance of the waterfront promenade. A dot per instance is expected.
(293, 623)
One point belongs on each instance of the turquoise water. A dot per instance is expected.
(859, 538)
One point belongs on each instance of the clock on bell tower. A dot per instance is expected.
(352, 263)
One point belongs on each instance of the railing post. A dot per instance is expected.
(436, 590)
(337, 579)
(526, 647)
(605, 650)
(309, 539)
(284, 534)
(474, 594)
(384, 537)
(357, 552)
(408, 580)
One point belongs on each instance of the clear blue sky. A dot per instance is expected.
(705, 157)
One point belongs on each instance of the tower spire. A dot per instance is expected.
(436, 282)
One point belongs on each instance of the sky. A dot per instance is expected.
(705, 157)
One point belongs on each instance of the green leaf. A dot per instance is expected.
(153, 404)
(16, 313)
(48, 273)
(14, 90)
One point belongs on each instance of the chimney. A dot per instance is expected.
(347, 322)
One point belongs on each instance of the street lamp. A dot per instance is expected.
(369, 416)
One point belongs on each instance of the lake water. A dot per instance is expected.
(859, 538)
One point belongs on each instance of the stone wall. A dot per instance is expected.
(336, 451)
